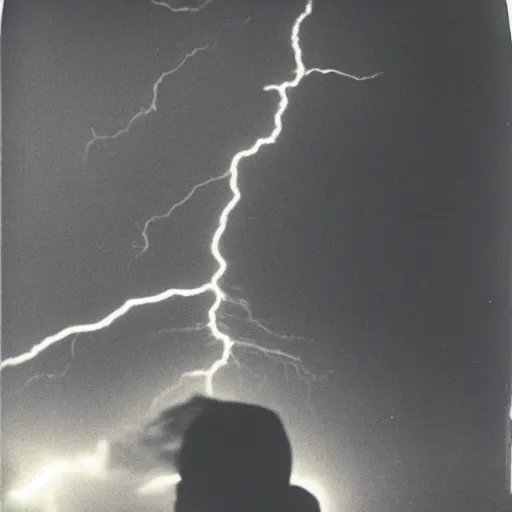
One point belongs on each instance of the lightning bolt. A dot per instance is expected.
(212, 286)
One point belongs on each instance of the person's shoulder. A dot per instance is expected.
(301, 500)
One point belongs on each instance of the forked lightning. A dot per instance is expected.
(213, 286)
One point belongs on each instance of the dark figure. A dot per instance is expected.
(234, 457)
(301, 500)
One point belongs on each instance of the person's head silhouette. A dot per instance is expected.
(235, 457)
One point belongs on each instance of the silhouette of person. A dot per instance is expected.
(300, 500)
(234, 457)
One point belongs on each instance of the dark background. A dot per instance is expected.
(377, 228)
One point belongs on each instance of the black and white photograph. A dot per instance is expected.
(256, 256)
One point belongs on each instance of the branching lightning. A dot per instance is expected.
(213, 286)
(243, 304)
(144, 111)
(180, 9)
(145, 235)
(103, 323)
(341, 73)
(53, 376)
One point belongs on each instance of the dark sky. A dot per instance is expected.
(376, 230)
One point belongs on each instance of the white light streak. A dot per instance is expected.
(143, 248)
(159, 484)
(144, 111)
(341, 73)
(103, 323)
(50, 376)
(158, 3)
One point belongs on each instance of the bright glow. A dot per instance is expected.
(52, 475)
(43, 487)
(94, 465)
(162, 483)
(159, 484)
